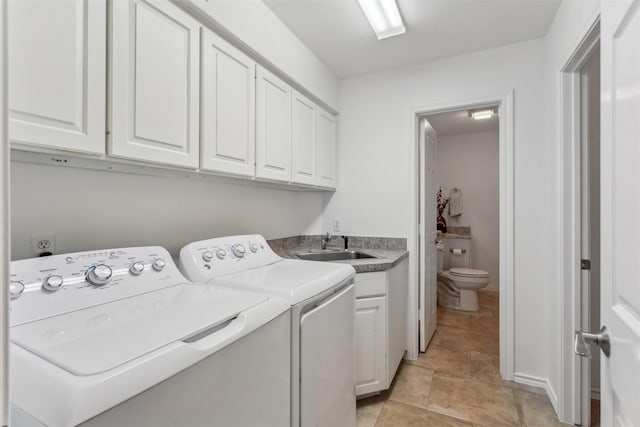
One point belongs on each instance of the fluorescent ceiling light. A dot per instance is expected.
(384, 17)
(481, 114)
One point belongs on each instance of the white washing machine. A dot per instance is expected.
(120, 338)
(322, 298)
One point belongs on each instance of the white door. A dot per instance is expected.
(620, 252)
(305, 140)
(273, 127)
(326, 149)
(428, 254)
(327, 390)
(228, 107)
(57, 70)
(155, 83)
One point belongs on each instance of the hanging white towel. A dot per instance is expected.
(455, 207)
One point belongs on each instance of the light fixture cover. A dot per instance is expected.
(384, 17)
(482, 114)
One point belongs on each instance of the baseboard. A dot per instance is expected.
(542, 383)
(492, 287)
(595, 393)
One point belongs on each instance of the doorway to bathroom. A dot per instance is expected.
(477, 180)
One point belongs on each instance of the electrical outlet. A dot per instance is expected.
(337, 226)
(43, 242)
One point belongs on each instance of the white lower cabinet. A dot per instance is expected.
(380, 326)
(155, 83)
(371, 338)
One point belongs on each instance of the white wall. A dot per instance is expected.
(254, 25)
(572, 21)
(89, 209)
(375, 164)
(469, 162)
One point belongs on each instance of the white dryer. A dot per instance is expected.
(322, 298)
(120, 338)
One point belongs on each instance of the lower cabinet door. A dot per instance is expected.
(371, 339)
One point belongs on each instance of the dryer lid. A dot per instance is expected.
(102, 337)
(468, 272)
(291, 279)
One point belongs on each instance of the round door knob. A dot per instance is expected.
(136, 268)
(15, 289)
(207, 256)
(253, 247)
(52, 283)
(221, 253)
(238, 250)
(158, 264)
(99, 275)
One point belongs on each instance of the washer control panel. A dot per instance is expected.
(207, 259)
(47, 286)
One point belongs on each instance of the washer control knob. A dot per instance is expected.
(158, 264)
(221, 253)
(207, 256)
(15, 289)
(238, 250)
(52, 283)
(253, 247)
(136, 268)
(99, 275)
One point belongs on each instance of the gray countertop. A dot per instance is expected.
(385, 258)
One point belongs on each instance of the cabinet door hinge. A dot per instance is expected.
(585, 264)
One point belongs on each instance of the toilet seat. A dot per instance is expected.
(468, 272)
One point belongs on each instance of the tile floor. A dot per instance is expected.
(457, 381)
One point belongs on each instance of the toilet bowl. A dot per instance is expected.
(458, 287)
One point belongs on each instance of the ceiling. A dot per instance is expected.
(458, 122)
(339, 34)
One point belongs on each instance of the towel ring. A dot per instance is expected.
(455, 190)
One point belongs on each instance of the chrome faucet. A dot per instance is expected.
(324, 241)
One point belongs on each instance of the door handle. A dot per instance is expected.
(601, 339)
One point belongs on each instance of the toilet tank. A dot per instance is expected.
(452, 259)
(440, 256)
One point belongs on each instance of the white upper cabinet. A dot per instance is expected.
(273, 136)
(155, 83)
(56, 61)
(326, 149)
(228, 108)
(305, 140)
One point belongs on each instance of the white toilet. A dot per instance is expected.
(458, 286)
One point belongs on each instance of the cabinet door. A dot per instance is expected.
(57, 74)
(273, 139)
(228, 107)
(371, 339)
(155, 83)
(326, 149)
(305, 140)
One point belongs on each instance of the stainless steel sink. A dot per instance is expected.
(332, 255)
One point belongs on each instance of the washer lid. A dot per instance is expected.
(292, 279)
(468, 272)
(99, 338)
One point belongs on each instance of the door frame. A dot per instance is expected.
(5, 255)
(506, 210)
(572, 317)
